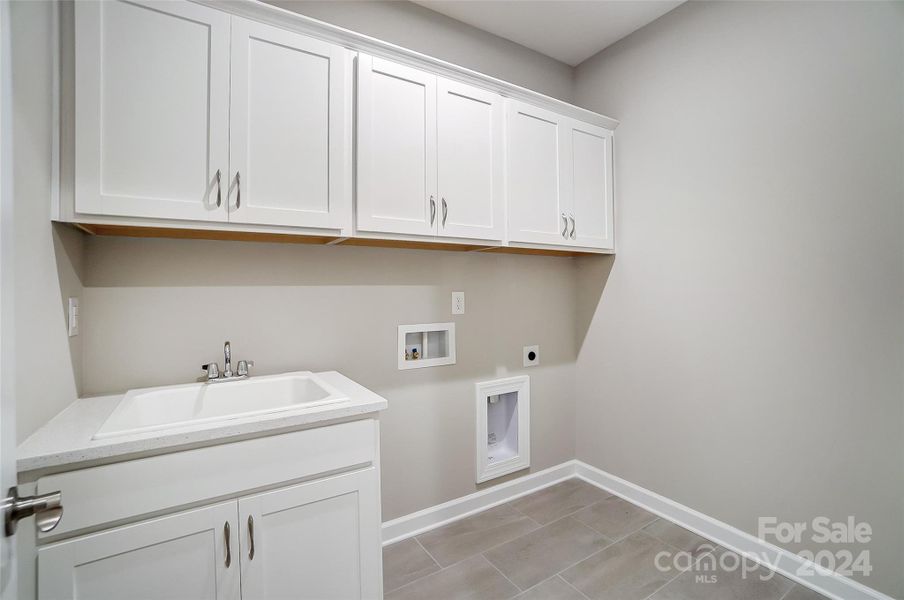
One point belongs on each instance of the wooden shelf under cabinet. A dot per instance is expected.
(289, 238)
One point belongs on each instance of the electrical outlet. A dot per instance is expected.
(73, 317)
(458, 303)
(531, 356)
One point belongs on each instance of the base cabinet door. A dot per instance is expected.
(536, 165)
(193, 554)
(314, 541)
(151, 109)
(290, 129)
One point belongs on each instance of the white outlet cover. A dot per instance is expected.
(458, 303)
(528, 362)
(73, 317)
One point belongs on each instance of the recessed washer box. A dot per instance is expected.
(503, 427)
(426, 345)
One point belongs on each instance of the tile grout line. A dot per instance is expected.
(424, 548)
(566, 582)
(517, 587)
(790, 589)
(559, 574)
(680, 572)
(439, 570)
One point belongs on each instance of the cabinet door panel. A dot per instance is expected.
(170, 558)
(290, 124)
(151, 109)
(591, 150)
(396, 148)
(317, 541)
(536, 198)
(469, 161)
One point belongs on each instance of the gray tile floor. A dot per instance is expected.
(572, 541)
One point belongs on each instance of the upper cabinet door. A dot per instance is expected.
(314, 541)
(538, 209)
(591, 187)
(290, 129)
(151, 122)
(470, 161)
(396, 148)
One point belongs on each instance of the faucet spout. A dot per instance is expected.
(227, 351)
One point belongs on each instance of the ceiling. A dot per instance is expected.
(570, 31)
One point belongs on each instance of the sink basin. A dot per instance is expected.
(153, 409)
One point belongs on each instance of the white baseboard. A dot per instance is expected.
(441, 514)
(819, 579)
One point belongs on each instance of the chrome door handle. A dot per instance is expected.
(47, 509)
(432, 210)
(565, 229)
(219, 198)
(572, 227)
(445, 211)
(228, 545)
(238, 189)
(251, 537)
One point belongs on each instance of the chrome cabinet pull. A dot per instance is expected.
(251, 537)
(228, 549)
(445, 211)
(238, 189)
(572, 227)
(219, 198)
(565, 229)
(432, 210)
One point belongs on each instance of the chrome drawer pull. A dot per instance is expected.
(251, 537)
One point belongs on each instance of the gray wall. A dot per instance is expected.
(745, 355)
(154, 310)
(423, 30)
(48, 258)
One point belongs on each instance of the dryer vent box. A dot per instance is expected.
(503, 427)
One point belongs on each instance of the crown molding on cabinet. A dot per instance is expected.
(273, 15)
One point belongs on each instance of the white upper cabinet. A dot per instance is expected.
(290, 129)
(537, 199)
(560, 188)
(151, 101)
(396, 148)
(184, 112)
(470, 168)
(591, 187)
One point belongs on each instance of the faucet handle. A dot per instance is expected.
(213, 371)
(244, 366)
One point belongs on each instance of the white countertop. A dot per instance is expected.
(66, 441)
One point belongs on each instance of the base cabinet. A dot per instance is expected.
(312, 541)
(288, 515)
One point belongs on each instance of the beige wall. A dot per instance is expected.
(423, 30)
(154, 310)
(48, 258)
(745, 357)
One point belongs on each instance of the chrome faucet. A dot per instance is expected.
(213, 370)
(227, 351)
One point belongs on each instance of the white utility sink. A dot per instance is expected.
(152, 409)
